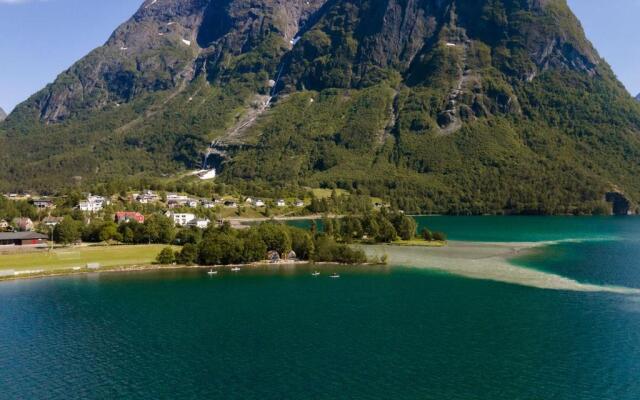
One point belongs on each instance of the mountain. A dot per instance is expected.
(638, 97)
(3, 114)
(452, 106)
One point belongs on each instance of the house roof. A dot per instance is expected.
(128, 214)
(21, 236)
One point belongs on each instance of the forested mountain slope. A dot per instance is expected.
(435, 105)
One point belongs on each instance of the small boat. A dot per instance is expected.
(235, 269)
(212, 272)
(315, 273)
(334, 276)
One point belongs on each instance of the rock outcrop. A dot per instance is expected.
(3, 115)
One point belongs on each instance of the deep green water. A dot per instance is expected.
(375, 333)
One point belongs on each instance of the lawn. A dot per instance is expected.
(68, 258)
(326, 193)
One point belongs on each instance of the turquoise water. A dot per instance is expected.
(375, 333)
(531, 229)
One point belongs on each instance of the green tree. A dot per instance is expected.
(406, 227)
(109, 231)
(222, 249)
(67, 231)
(276, 237)
(301, 243)
(188, 255)
(159, 229)
(166, 256)
(254, 248)
(386, 231)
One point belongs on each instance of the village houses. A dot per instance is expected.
(146, 197)
(93, 204)
(180, 219)
(201, 223)
(208, 204)
(176, 200)
(44, 204)
(129, 216)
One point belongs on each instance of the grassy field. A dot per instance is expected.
(60, 259)
(326, 193)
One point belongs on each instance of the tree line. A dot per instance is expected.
(224, 245)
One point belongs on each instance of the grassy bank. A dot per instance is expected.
(68, 258)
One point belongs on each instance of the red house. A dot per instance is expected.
(128, 216)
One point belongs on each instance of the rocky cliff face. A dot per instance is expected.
(429, 100)
(347, 43)
(3, 115)
(163, 47)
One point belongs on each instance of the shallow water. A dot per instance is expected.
(375, 333)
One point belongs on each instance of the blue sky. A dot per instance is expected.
(41, 38)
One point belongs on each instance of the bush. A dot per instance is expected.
(166, 256)
(427, 235)
(439, 236)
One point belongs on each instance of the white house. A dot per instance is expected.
(258, 203)
(181, 219)
(281, 203)
(299, 203)
(146, 197)
(93, 203)
(202, 223)
(44, 204)
(208, 204)
(177, 200)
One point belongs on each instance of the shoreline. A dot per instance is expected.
(141, 268)
(37, 274)
(490, 261)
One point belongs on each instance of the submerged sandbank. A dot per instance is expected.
(488, 261)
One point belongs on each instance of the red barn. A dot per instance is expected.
(128, 216)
